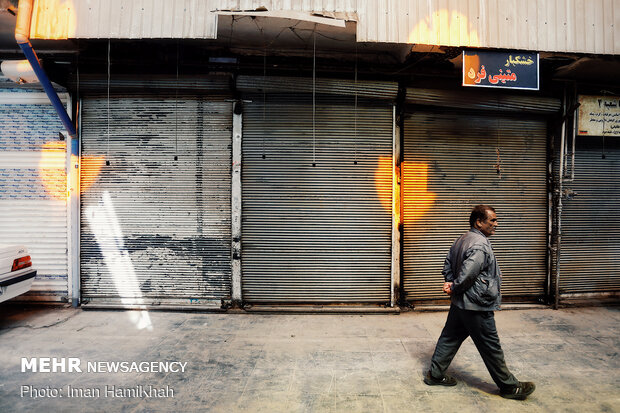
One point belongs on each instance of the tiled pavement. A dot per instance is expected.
(306, 362)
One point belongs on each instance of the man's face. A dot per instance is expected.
(488, 226)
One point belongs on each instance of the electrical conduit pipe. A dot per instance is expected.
(22, 36)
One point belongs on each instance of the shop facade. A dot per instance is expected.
(463, 148)
(319, 212)
(316, 185)
(587, 173)
(156, 197)
(316, 157)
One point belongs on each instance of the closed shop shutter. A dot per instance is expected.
(321, 233)
(590, 249)
(156, 230)
(33, 189)
(451, 163)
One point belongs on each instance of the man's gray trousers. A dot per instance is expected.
(480, 326)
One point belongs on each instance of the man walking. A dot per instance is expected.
(473, 280)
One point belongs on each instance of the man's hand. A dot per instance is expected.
(447, 288)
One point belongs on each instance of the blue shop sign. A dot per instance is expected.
(508, 70)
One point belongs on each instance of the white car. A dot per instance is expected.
(16, 271)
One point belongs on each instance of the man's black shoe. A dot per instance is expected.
(444, 381)
(520, 392)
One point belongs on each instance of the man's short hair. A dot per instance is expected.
(479, 213)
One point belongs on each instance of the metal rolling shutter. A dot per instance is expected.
(155, 229)
(448, 168)
(590, 252)
(33, 189)
(316, 233)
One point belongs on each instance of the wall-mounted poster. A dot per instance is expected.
(599, 116)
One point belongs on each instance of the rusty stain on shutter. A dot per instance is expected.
(450, 165)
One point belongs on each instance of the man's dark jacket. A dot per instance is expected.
(472, 267)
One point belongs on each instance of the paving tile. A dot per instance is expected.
(275, 360)
(400, 383)
(495, 403)
(420, 350)
(333, 360)
(218, 386)
(313, 382)
(275, 380)
(358, 382)
(392, 345)
(359, 403)
(395, 362)
(343, 344)
(429, 403)
(268, 401)
(312, 403)
(396, 328)
(405, 402)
